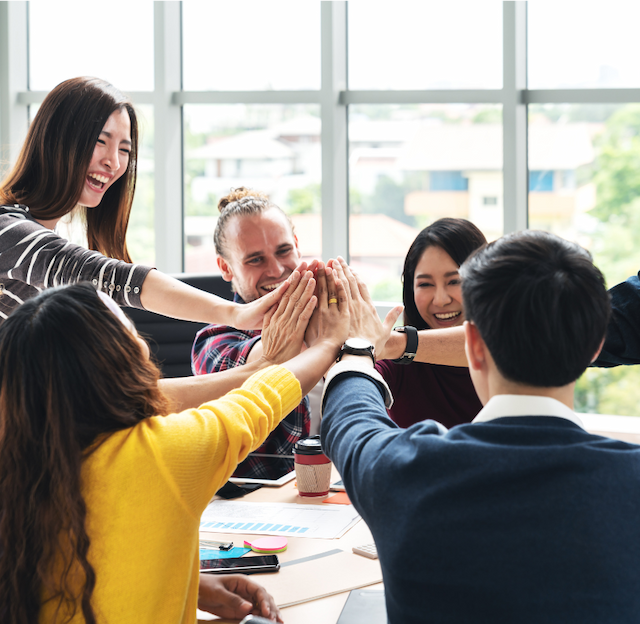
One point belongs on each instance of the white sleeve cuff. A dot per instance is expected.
(360, 365)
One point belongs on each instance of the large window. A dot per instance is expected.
(365, 121)
(411, 165)
(272, 148)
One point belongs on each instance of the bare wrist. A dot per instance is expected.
(395, 346)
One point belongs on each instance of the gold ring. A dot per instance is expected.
(333, 300)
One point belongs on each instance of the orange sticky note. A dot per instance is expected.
(340, 498)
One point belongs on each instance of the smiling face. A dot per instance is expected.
(437, 290)
(261, 252)
(110, 158)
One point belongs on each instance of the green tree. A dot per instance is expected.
(618, 176)
(304, 200)
(616, 250)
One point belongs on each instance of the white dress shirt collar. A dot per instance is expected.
(503, 405)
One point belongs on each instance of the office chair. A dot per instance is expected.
(170, 340)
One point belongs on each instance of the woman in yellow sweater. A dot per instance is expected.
(100, 498)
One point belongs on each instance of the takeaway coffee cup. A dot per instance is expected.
(313, 467)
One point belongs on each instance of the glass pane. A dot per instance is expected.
(580, 45)
(270, 148)
(251, 45)
(411, 165)
(425, 45)
(69, 38)
(585, 186)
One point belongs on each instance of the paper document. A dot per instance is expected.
(319, 521)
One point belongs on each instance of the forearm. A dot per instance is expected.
(188, 392)
(312, 364)
(256, 352)
(353, 416)
(166, 295)
(435, 346)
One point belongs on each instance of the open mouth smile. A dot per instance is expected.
(97, 182)
(271, 287)
(447, 316)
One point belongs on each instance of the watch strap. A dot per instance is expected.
(412, 345)
(347, 350)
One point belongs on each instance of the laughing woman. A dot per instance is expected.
(81, 150)
(432, 299)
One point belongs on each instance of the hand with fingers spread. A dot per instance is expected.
(365, 322)
(333, 329)
(313, 328)
(251, 315)
(285, 324)
(331, 316)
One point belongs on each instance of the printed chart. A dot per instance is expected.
(319, 521)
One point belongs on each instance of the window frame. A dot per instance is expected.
(334, 97)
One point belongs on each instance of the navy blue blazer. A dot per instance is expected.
(519, 520)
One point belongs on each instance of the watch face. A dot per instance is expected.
(357, 343)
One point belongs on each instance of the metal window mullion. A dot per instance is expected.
(333, 112)
(14, 79)
(581, 96)
(514, 117)
(435, 96)
(168, 179)
(246, 97)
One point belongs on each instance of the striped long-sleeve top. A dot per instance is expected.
(33, 258)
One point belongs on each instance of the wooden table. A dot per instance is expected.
(323, 610)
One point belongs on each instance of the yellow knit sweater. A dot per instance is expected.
(146, 487)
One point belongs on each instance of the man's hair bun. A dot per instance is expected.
(239, 193)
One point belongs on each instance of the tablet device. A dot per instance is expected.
(364, 606)
(279, 469)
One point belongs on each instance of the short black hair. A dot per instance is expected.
(458, 237)
(540, 305)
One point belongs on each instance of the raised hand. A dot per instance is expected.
(330, 319)
(285, 324)
(365, 322)
(251, 315)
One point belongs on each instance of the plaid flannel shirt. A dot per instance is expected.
(218, 348)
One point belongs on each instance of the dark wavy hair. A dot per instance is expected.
(70, 372)
(540, 305)
(458, 237)
(50, 172)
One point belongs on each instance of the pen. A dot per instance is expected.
(216, 544)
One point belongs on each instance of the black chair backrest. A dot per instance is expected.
(170, 340)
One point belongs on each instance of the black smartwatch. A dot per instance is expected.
(412, 344)
(357, 346)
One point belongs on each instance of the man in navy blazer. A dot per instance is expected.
(520, 516)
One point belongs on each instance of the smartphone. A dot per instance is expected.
(338, 486)
(241, 565)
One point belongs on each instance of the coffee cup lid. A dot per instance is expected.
(308, 446)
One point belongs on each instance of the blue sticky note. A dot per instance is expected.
(214, 553)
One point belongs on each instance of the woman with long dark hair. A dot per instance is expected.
(101, 487)
(432, 299)
(81, 150)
